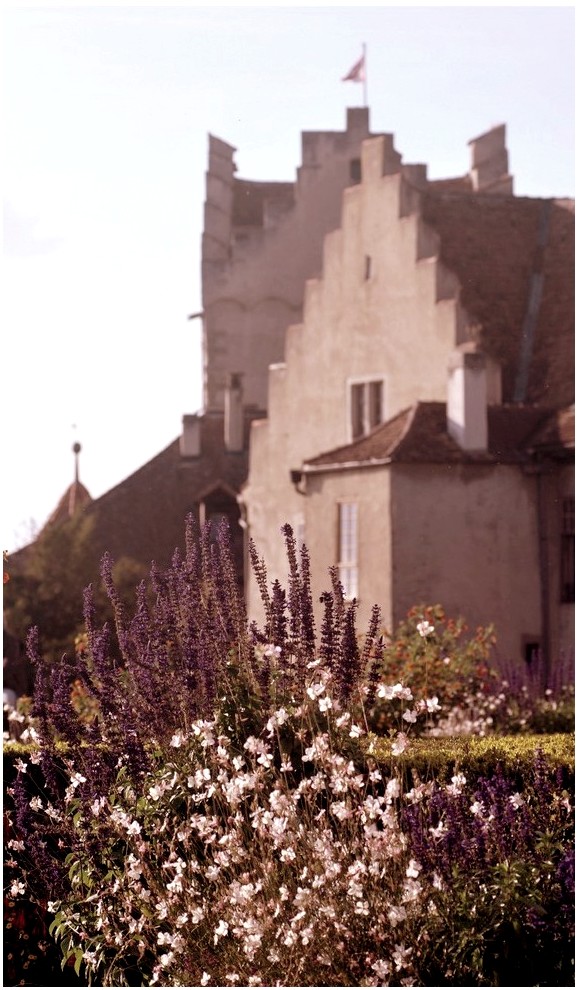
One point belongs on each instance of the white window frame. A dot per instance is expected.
(348, 547)
(367, 419)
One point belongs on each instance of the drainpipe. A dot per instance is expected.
(544, 570)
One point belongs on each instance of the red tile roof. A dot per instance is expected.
(419, 434)
(492, 245)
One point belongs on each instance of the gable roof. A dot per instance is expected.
(514, 258)
(143, 517)
(419, 435)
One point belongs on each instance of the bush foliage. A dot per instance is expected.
(224, 804)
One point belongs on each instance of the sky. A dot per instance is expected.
(105, 118)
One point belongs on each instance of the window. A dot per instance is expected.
(531, 652)
(355, 169)
(567, 552)
(366, 406)
(347, 547)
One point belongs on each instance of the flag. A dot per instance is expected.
(357, 73)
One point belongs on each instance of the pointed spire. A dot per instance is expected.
(76, 448)
(75, 496)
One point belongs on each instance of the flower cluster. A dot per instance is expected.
(238, 829)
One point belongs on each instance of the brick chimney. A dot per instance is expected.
(467, 407)
(234, 419)
(190, 441)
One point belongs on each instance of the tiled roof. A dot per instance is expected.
(556, 433)
(492, 243)
(419, 435)
(143, 517)
(75, 497)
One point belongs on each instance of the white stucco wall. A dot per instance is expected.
(392, 324)
(466, 536)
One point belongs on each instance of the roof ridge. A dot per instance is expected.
(408, 425)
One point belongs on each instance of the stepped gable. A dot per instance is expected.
(419, 435)
(509, 253)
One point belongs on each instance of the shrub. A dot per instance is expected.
(215, 812)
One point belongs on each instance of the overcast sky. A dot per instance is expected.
(106, 115)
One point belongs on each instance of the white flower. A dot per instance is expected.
(516, 800)
(77, 779)
(432, 704)
(20, 766)
(271, 651)
(205, 979)
(409, 715)
(355, 731)
(413, 869)
(382, 969)
(340, 810)
(17, 888)
(396, 915)
(342, 720)
(438, 831)
(394, 691)
(477, 808)
(176, 740)
(315, 690)
(36, 804)
(400, 955)
(400, 744)
(325, 703)
(393, 789)
(425, 628)
(221, 930)
(133, 828)
(458, 781)
(286, 855)
(97, 805)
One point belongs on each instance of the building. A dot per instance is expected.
(388, 366)
(261, 242)
(420, 427)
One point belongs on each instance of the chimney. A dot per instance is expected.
(234, 418)
(191, 436)
(489, 163)
(467, 408)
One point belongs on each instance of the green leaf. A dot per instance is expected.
(78, 961)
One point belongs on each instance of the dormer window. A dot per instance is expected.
(366, 406)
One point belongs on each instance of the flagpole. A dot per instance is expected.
(364, 75)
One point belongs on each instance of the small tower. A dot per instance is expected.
(75, 496)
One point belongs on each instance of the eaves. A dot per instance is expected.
(346, 465)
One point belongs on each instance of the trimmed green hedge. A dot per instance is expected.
(479, 755)
(437, 757)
